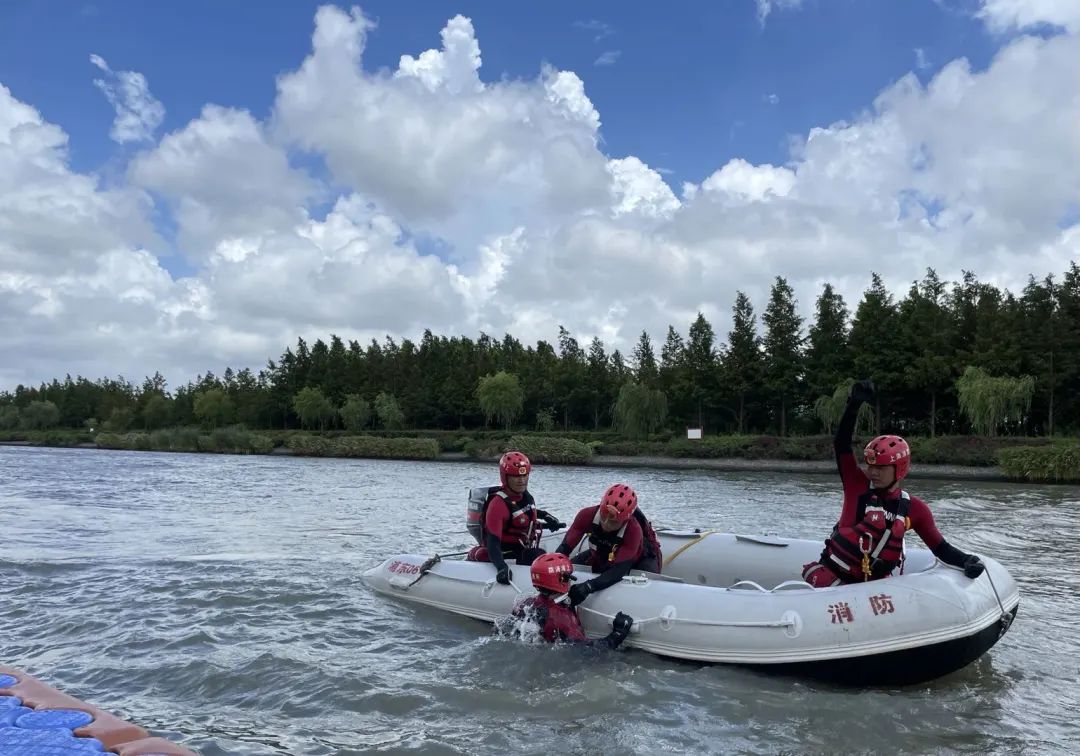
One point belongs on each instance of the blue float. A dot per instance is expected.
(54, 719)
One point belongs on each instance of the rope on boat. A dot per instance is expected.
(707, 623)
(685, 546)
(1006, 618)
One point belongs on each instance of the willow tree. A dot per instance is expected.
(830, 408)
(500, 397)
(990, 402)
(313, 408)
(639, 410)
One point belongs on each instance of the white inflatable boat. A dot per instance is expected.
(739, 599)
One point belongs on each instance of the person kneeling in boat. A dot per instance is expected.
(550, 609)
(868, 540)
(510, 523)
(617, 541)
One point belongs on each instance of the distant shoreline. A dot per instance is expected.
(725, 464)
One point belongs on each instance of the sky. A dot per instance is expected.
(185, 187)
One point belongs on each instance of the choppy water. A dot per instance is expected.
(215, 600)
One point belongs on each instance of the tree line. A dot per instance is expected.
(947, 358)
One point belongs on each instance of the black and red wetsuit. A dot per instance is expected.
(511, 529)
(611, 554)
(872, 522)
(560, 624)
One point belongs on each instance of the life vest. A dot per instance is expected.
(652, 543)
(557, 621)
(872, 547)
(522, 526)
(605, 545)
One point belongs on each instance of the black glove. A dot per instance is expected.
(622, 622)
(861, 392)
(503, 575)
(973, 567)
(552, 522)
(580, 592)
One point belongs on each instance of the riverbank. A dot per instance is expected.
(730, 464)
(922, 472)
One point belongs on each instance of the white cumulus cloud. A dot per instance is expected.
(461, 203)
(138, 113)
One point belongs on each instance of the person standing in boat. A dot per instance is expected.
(550, 608)
(510, 523)
(868, 540)
(618, 542)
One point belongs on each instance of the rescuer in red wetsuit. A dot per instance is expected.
(867, 542)
(511, 522)
(551, 576)
(617, 541)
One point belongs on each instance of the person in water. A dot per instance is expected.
(550, 610)
(510, 522)
(868, 540)
(618, 542)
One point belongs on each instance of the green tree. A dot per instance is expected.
(830, 408)
(991, 402)
(783, 347)
(926, 324)
(743, 366)
(875, 342)
(672, 377)
(156, 412)
(120, 419)
(828, 359)
(312, 407)
(639, 410)
(701, 366)
(39, 415)
(500, 397)
(213, 408)
(355, 413)
(645, 361)
(545, 419)
(9, 418)
(571, 376)
(389, 413)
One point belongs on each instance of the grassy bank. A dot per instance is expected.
(1022, 459)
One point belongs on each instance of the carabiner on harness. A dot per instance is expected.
(864, 547)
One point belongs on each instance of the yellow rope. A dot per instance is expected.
(685, 546)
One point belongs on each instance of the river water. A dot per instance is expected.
(215, 600)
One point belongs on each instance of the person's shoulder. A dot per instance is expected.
(587, 513)
(916, 505)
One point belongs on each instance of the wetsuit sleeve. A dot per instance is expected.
(581, 525)
(495, 553)
(612, 575)
(612, 640)
(845, 430)
(922, 522)
(853, 478)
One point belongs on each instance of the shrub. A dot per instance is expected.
(1059, 462)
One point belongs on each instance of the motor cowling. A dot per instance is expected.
(475, 511)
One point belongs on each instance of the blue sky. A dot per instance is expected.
(688, 90)
(205, 216)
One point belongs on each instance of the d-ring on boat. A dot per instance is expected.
(735, 599)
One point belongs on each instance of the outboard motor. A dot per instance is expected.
(474, 512)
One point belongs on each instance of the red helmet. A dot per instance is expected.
(513, 463)
(552, 572)
(619, 503)
(889, 450)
